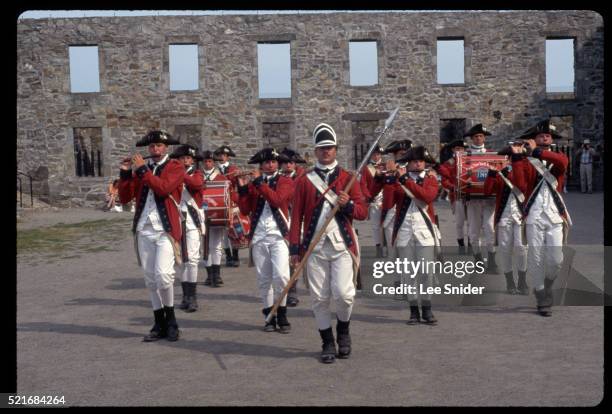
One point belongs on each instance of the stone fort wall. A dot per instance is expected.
(504, 84)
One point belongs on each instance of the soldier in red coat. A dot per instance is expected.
(215, 234)
(448, 172)
(192, 222)
(223, 154)
(508, 221)
(330, 267)
(542, 176)
(368, 172)
(415, 233)
(266, 199)
(289, 161)
(157, 188)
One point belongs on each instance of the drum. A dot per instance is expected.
(217, 203)
(239, 229)
(472, 171)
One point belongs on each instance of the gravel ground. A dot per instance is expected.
(82, 311)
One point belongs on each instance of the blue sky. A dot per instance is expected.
(273, 59)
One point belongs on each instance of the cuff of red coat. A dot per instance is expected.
(492, 173)
(348, 208)
(536, 153)
(517, 157)
(243, 190)
(140, 172)
(390, 179)
(125, 174)
(403, 179)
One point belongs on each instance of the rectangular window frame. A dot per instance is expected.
(465, 60)
(378, 62)
(199, 65)
(100, 67)
(561, 96)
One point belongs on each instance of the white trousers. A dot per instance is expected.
(586, 177)
(416, 251)
(459, 212)
(509, 243)
(215, 245)
(271, 260)
(375, 213)
(480, 215)
(156, 257)
(330, 273)
(190, 268)
(545, 254)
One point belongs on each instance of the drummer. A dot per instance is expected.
(481, 209)
(216, 233)
(223, 154)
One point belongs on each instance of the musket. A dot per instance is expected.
(332, 213)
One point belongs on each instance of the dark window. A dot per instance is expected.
(88, 152)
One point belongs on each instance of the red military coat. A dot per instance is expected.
(448, 172)
(308, 204)
(494, 184)
(388, 185)
(367, 182)
(195, 185)
(426, 191)
(278, 192)
(167, 181)
(526, 176)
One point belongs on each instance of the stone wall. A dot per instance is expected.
(504, 83)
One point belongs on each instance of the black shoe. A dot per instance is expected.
(426, 313)
(235, 258)
(228, 258)
(415, 316)
(328, 351)
(217, 281)
(269, 326)
(193, 300)
(184, 303)
(292, 301)
(522, 288)
(173, 329)
(344, 339)
(478, 258)
(492, 268)
(160, 329)
(461, 244)
(208, 281)
(281, 319)
(543, 302)
(510, 287)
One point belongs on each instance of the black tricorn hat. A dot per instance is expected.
(208, 155)
(157, 136)
(394, 146)
(456, 143)
(187, 149)
(419, 153)
(544, 126)
(266, 154)
(224, 149)
(476, 129)
(289, 155)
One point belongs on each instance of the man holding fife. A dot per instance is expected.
(157, 188)
(332, 265)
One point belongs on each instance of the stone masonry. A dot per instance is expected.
(504, 84)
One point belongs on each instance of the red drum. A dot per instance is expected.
(217, 203)
(472, 170)
(239, 229)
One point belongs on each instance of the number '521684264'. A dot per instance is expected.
(36, 400)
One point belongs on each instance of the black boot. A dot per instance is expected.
(160, 328)
(281, 319)
(292, 299)
(173, 329)
(344, 339)
(209, 272)
(492, 268)
(461, 244)
(235, 258)
(184, 304)
(193, 300)
(269, 326)
(543, 302)
(478, 258)
(510, 287)
(522, 288)
(426, 314)
(229, 262)
(217, 281)
(415, 317)
(328, 351)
